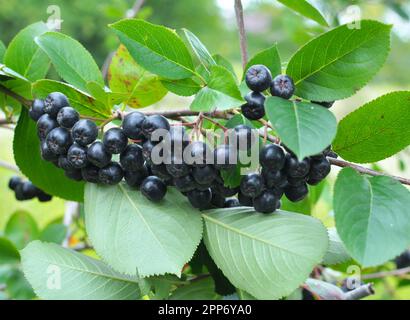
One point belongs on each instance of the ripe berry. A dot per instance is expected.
(198, 154)
(111, 174)
(18, 193)
(177, 168)
(37, 109)
(204, 175)
(131, 158)
(14, 182)
(185, 183)
(177, 139)
(43, 197)
(258, 78)
(160, 170)
(74, 174)
(90, 173)
(132, 125)
(242, 137)
(97, 155)
(232, 203)
(245, 200)
(223, 190)
(295, 168)
(29, 190)
(326, 104)
(254, 108)
(59, 140)
(147, 150)
(267, 202)
(67, 117)
(115, 141)
(54, 102)
(272, 157)
(77, 156)
(135, 178)
(225, 157)
(84, 132)
(296, 194)
(200, 199)
(152, 123)
(282, 86)
(153, 188)
(44, 125)
(64, 164)
(252, 185)
(46, 153)
(296, 181)
(274, 178)
(319, 169)
(403, 260)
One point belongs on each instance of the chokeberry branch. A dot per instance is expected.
(360, 292)
(216, 123)
(8, 166)
(25, 102)
(363, 170)
(242, 31)
(384, 274)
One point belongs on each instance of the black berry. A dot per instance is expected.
(90, 173)
(18, 193)
(296, 193)
(132, 125)
(225, 157)
(84, 132)
(46, 153)
(185, 183)
(267, 202)
(44, 197)
(74, 174)
(115, 141)
(274, 178)
(243, 137)
(64, 164)
(258, 78)
(44, 125)
(160, 170)
(98, 155)
(200, 199)
(254, 108)
(154, 122)
(224, 190)
(272, 157)
(54, 102)
(252, 185)
(111, 174)
(326, 104)
(77, 156)
(177, 168)
(153, 188)
(232, 203)
(135, 178)
(14, 182)
(319, 169)
(282, 86)
(131, 158)
(199, 153)
(204, 175)
(29, 190)
(59, 140)
(245, 200)
(37, 109)
(295, 168)
(67, 117)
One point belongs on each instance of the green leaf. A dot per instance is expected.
(2, 51)
(44, 175)
(105, 95)
(268, 256)
(220, 93)
(184, 87)
(304, 8)
(54, 232)
(221, 61)
(156, 48)
(24, 56)
(61, 274)
(8, 252)
(305, 128)
(126, 76)
(336, 253)
(269, 58)
(71, 60)
(21, 229)
(202, 53)
(372, 216)
(340, 62)
(203, 289)
(81, 101)
(375, 131)
(134, 235)
(18, 287)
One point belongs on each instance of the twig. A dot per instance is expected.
(360, 293)
(363, 170)
(187, 113)
(25, 102)
(9, 166)
(384, 274)
(132, 13)
(5, 121)
(242, 32)
(214, 122)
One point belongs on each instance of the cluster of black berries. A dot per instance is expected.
(259, 79)
(25, 190)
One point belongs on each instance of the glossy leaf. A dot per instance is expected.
(21, 229)
(8, 252)
(304, 8)
(202, 53)
(336, 253)
(184, 87)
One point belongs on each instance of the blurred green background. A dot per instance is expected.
(213, 21)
